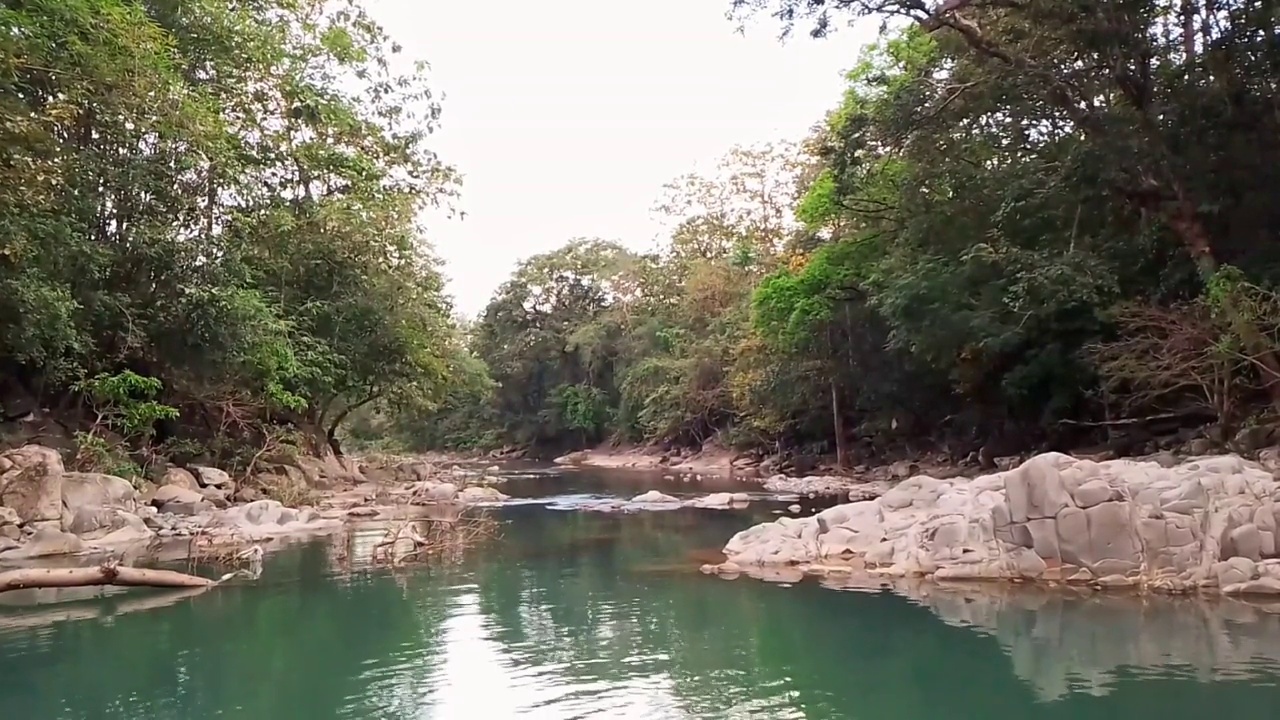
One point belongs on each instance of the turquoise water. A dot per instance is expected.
(585, 615)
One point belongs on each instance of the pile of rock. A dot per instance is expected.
(1209, 522)
(814, 485)
(45, 510)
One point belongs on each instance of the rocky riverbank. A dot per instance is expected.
(1204, 524)
(48, 512)
(798, 475)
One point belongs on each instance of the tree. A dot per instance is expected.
(220, 197)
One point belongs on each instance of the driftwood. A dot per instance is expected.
(105, 574)
(1187, 414)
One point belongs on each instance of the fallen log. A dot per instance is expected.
(106, 574)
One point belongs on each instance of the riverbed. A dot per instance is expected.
(573, 614)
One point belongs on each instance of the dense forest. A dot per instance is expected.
(209, 226)
(1027, 223)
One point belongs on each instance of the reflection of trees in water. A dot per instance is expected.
(294, 645)
(1061, 642)
(596, 600)
(582, 604)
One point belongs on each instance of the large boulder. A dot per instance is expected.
(166, 494)
(92, 503)
(129, 529)
(31, 483)
(47, 541)
(1206, 522)
(180, 477)
(444, 492)
(95, 490)
(473, 495)
(213, 477)
(107, 526)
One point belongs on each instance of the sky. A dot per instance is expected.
(565, 117)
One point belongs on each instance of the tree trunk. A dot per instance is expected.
(837, 420)
(1189, 30)
(100, 575)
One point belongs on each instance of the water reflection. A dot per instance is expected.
(1062, 643)
(589, 615)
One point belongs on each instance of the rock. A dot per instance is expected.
(95, 490)
(216, 497)
(1053, 517)
(793, 508)
(1093, 492)
(11, 532)
(474, 495)
(181, 478)
(444, 492)
(653, 496)
(247, 494)
(362, 512)
(9, 516)
(213, 477)
(166, 494)
(1261, 586)
(129, 529)
(32, 483)
(1247, 542)
(46, 542)
(325, 474)
(903, 469)
(186, 508)
(1269, 459)
(721, 501)
(493, 469)
(89, 521)
(263, 512)
(1253, 439)
(7, 544)
(573, 458)
(1200, 446)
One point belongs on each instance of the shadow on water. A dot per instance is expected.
(576, 615)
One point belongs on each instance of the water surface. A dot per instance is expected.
(588, 615)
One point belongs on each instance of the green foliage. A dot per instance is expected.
(97, 454)
(222, 197)
(1017, 214)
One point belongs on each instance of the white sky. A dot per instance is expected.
(565, 117)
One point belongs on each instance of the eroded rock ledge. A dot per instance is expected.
(1206, 524)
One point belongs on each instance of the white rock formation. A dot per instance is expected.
(653, 496)
(721, 501)
(473, 495)
(1208, 522)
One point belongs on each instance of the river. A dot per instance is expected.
(589, 615)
